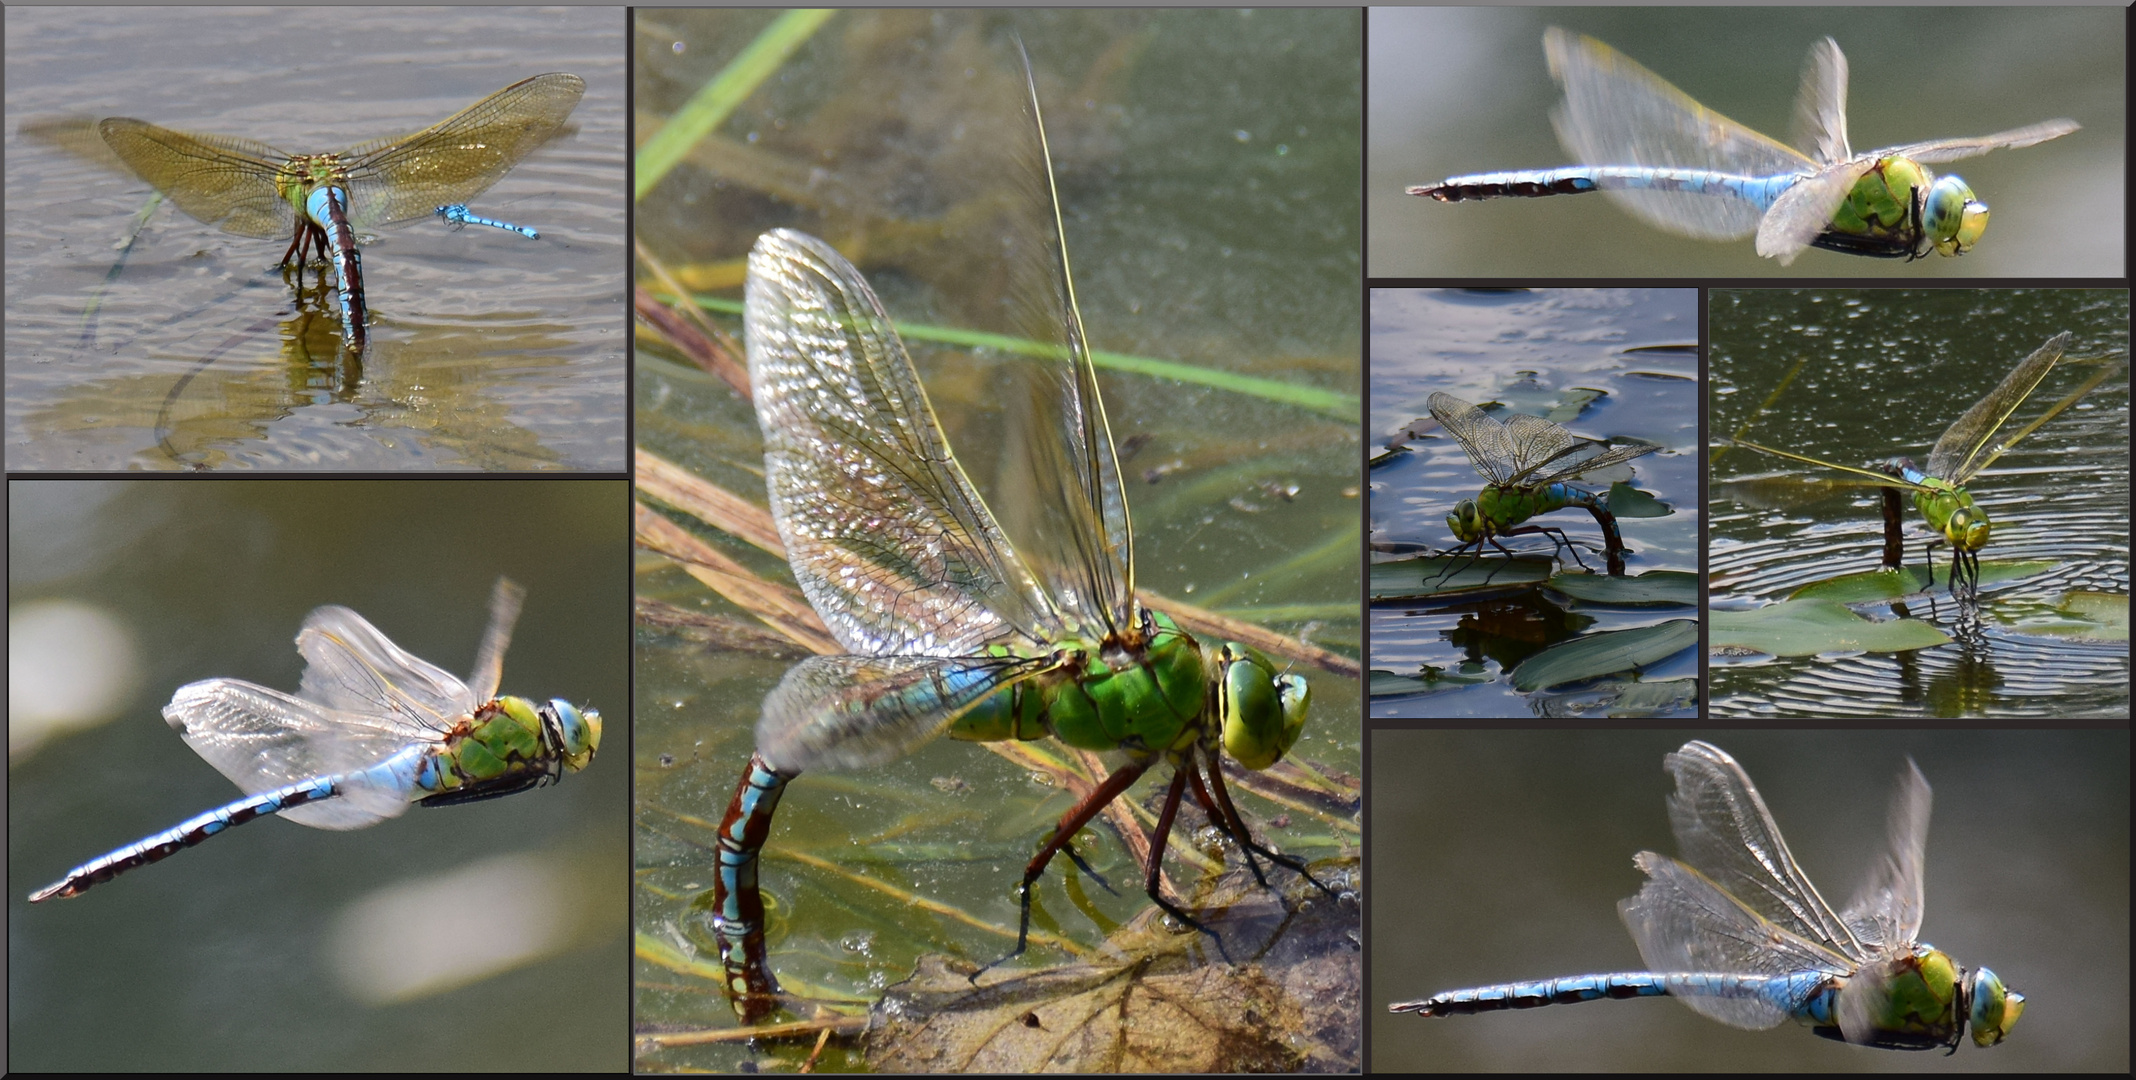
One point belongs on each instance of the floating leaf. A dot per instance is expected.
(1652, 587)
(1601, 653)
(1877, 586)
(1809, 627)
(1626, 501)
(1436, 576)
(1429, 680)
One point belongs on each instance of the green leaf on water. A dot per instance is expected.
(1650, 588)
(1592, 655)
(1626, 501)
(1809, 627)
(1427, 680)
(1436, 576)
(1876, 586)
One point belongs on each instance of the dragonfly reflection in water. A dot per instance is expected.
(1688, 170)
(949, 628)
(1966, 448)
(328, 201)
(1736, 931)
(370, 730)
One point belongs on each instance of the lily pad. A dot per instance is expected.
(2086, 616)
(1436, 576)
(1597, 654)
(1429, 680)
(1626, 501)
(1809, 627)
(1653, 587)
(1877, 586)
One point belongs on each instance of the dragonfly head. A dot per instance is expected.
(575, 733)
(1262, 710)
(1967, 529)
(1467, 522)
(1995, 1007)
(1952, 217)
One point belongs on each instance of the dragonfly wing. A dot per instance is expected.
(354, 670)
(1887, 911)
(1821, 105)
(1804, 210)
(399, 180)
(1684, 921)
(1968, 444)
(505, 599)
(1938, 151)
(218, 180)
(1618, 113)
(1061, 503)
(1724, 831)
(1615, 455)
(887, 536)
(1489, 445)
(851, 712)
(264, 739)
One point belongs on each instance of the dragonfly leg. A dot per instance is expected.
(1072, 822)
(737, 903)
(1236, 826)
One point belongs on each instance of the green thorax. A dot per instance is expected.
(1158, 693)
(1915, 1002)
(303, 174)
(1496, 509)
(1897, 204)
(511, 743)
(1949, 510)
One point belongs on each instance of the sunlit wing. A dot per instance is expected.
(1488, 442)
(1060, 499)
(1938, 151)
(264, 739)
(1969, 443)
(1615, 455)
(1616, 112)
(1821, 105)
(1879, 479)
(505, 599)
(1683, 921)
(1804, 210)
(399, 180)
(353, 669)
(1724, 832)
(1887, 911)
(851, 712)
(218, 180)
(887, 536)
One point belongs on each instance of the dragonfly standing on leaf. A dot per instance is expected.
(1734, 930)
(948, 627)
(370, 730)
(1527, 459)
(326, 201)
(1688, 170)
(1967, 447)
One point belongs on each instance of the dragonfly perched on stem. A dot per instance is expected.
(370, 730)
(950, 627)
(1527, 459)
(1736, 931)
(1965, 449)
(1686, 169)
(327, 202)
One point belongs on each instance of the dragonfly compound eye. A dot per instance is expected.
(1466, 522)
(1995, 1008)
(1953, 217)
(1262, 712)
(577, 732)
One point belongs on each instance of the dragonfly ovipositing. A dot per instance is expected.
(948, 627)
(1685, 169)
(329, 201)
(1735, 931)
(370, 730)
(1966, 448)
(1528, 460)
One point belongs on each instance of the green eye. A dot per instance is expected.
(1953, 217)
(1262, 711)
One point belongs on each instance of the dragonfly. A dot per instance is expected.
(370, 730)
(1527, 459)
(1688, 170)
(1734, 930)
(326, 202)
(949, 627)
(457, 216)
(1966, 448)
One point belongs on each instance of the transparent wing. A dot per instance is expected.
(1684, 922)
(1821, 105)
(1060, 491)
(351, 668)
(505, 600)
(1938, 151)
(886, 535)
(1724, 832)
(264, 739)
(218, 180)
(850, 712)
(1969, 443)
(1618, 113)
(1488, 442)
(399, 180)
(1804, 210)
(1611, 456)
(1886, 913)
